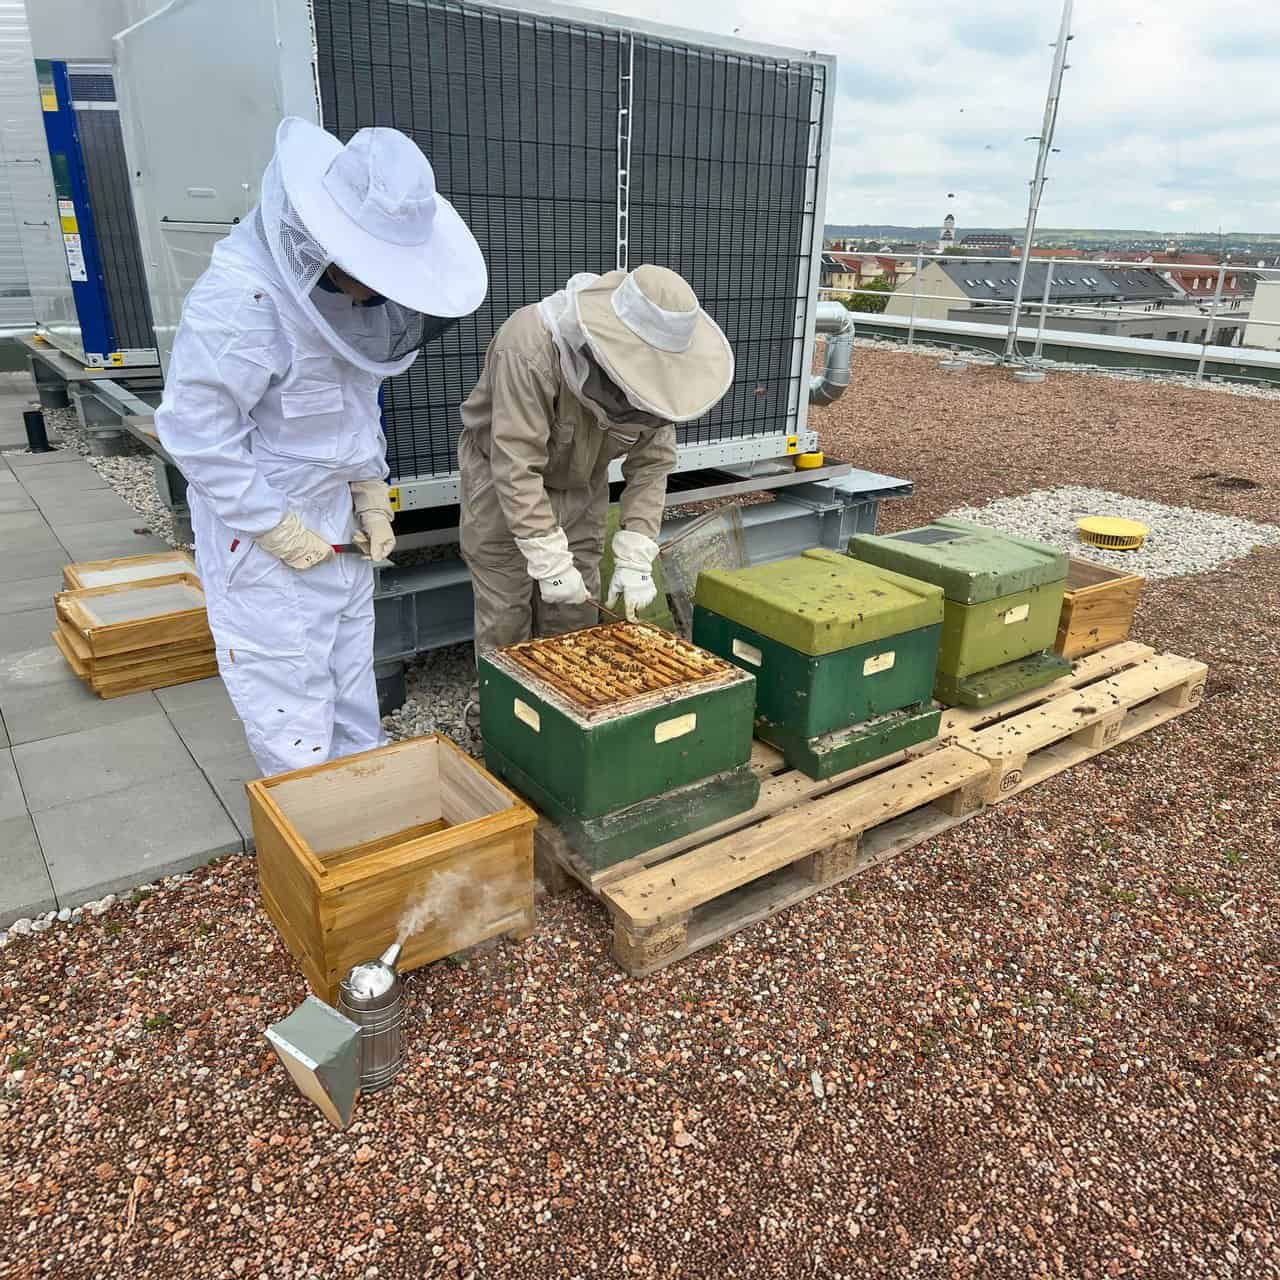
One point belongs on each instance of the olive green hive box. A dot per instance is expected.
(1003, 600)
(629, 774)
(843, 654)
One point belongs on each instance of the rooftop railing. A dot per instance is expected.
(1211, 309)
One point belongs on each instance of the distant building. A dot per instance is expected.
(844, 272)
(947, 236)
(1266, 306)
(987, 242)
(1101, 300)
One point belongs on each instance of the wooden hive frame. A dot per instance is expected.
(80, 576)
(346, 848)
(105, 639)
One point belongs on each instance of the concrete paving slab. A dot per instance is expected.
(32, 593)
(78, 478)
(18, 522)
(16, 566)
(34, 669)
(21, 632)
(4, 733)
(24, 531)
(180, 697)
(103, 845)
(31, 715)
(21, 461)
(12, 805)
(209, 729)
(25, 886)
(88, 506)
(73, 767)
(15, 498)
(110, 538)
(6, 475)
(227, 775)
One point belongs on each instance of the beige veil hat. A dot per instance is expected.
(647, 330)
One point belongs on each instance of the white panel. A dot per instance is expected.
(747, 652)
(233, 69)
(1019, 613)
(31, 258)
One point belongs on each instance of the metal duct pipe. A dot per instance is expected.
(836, 321)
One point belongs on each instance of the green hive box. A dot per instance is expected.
(636, 768)
(1003, 601)
(843, 654)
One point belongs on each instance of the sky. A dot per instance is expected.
(1169, 121)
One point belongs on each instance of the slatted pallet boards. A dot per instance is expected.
(803, 835)
(135, 633)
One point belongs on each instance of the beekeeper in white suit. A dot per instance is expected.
(597, 371)
(349, 264)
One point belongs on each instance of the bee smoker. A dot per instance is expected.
(372, 996)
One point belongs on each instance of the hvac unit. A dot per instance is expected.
(97, 308)
(568, 141)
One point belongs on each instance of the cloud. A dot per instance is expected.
(1167, 118)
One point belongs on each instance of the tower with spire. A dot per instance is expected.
(947, 236)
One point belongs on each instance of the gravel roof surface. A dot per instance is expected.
(1044, 1043)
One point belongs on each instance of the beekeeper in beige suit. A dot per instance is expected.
(599, 370)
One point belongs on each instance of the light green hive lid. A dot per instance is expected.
(970, 563)
(821, 601)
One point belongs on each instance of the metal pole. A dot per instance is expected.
(1208, 329)
(915, 297)
(1044, 307)
(1042, 160)
(37, 437)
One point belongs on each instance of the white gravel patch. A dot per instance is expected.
(1181, 540)
(438, 684)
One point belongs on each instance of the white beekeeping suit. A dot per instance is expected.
(350, 262)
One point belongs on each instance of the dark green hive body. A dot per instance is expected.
(843, 654)
(621, 778)
(1003, 601)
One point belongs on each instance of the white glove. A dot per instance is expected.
(376, 539)
(374, 513)
(633, 556)
(551, 564)
(292, 542)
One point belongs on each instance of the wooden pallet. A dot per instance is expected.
(804, 835)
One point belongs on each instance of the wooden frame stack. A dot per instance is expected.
(143, 634)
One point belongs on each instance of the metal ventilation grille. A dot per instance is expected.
(719, 168)
(91, 86)
(107, 170)
(519, 118)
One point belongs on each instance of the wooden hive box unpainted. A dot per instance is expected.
(124, 569)
(136, 615)
(345, 849)
(1097, 608)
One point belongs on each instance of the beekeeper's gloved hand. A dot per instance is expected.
(633, 556)
(374, 514)
(551, 562)
(295, 544)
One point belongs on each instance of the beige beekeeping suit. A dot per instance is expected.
(535, 458)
